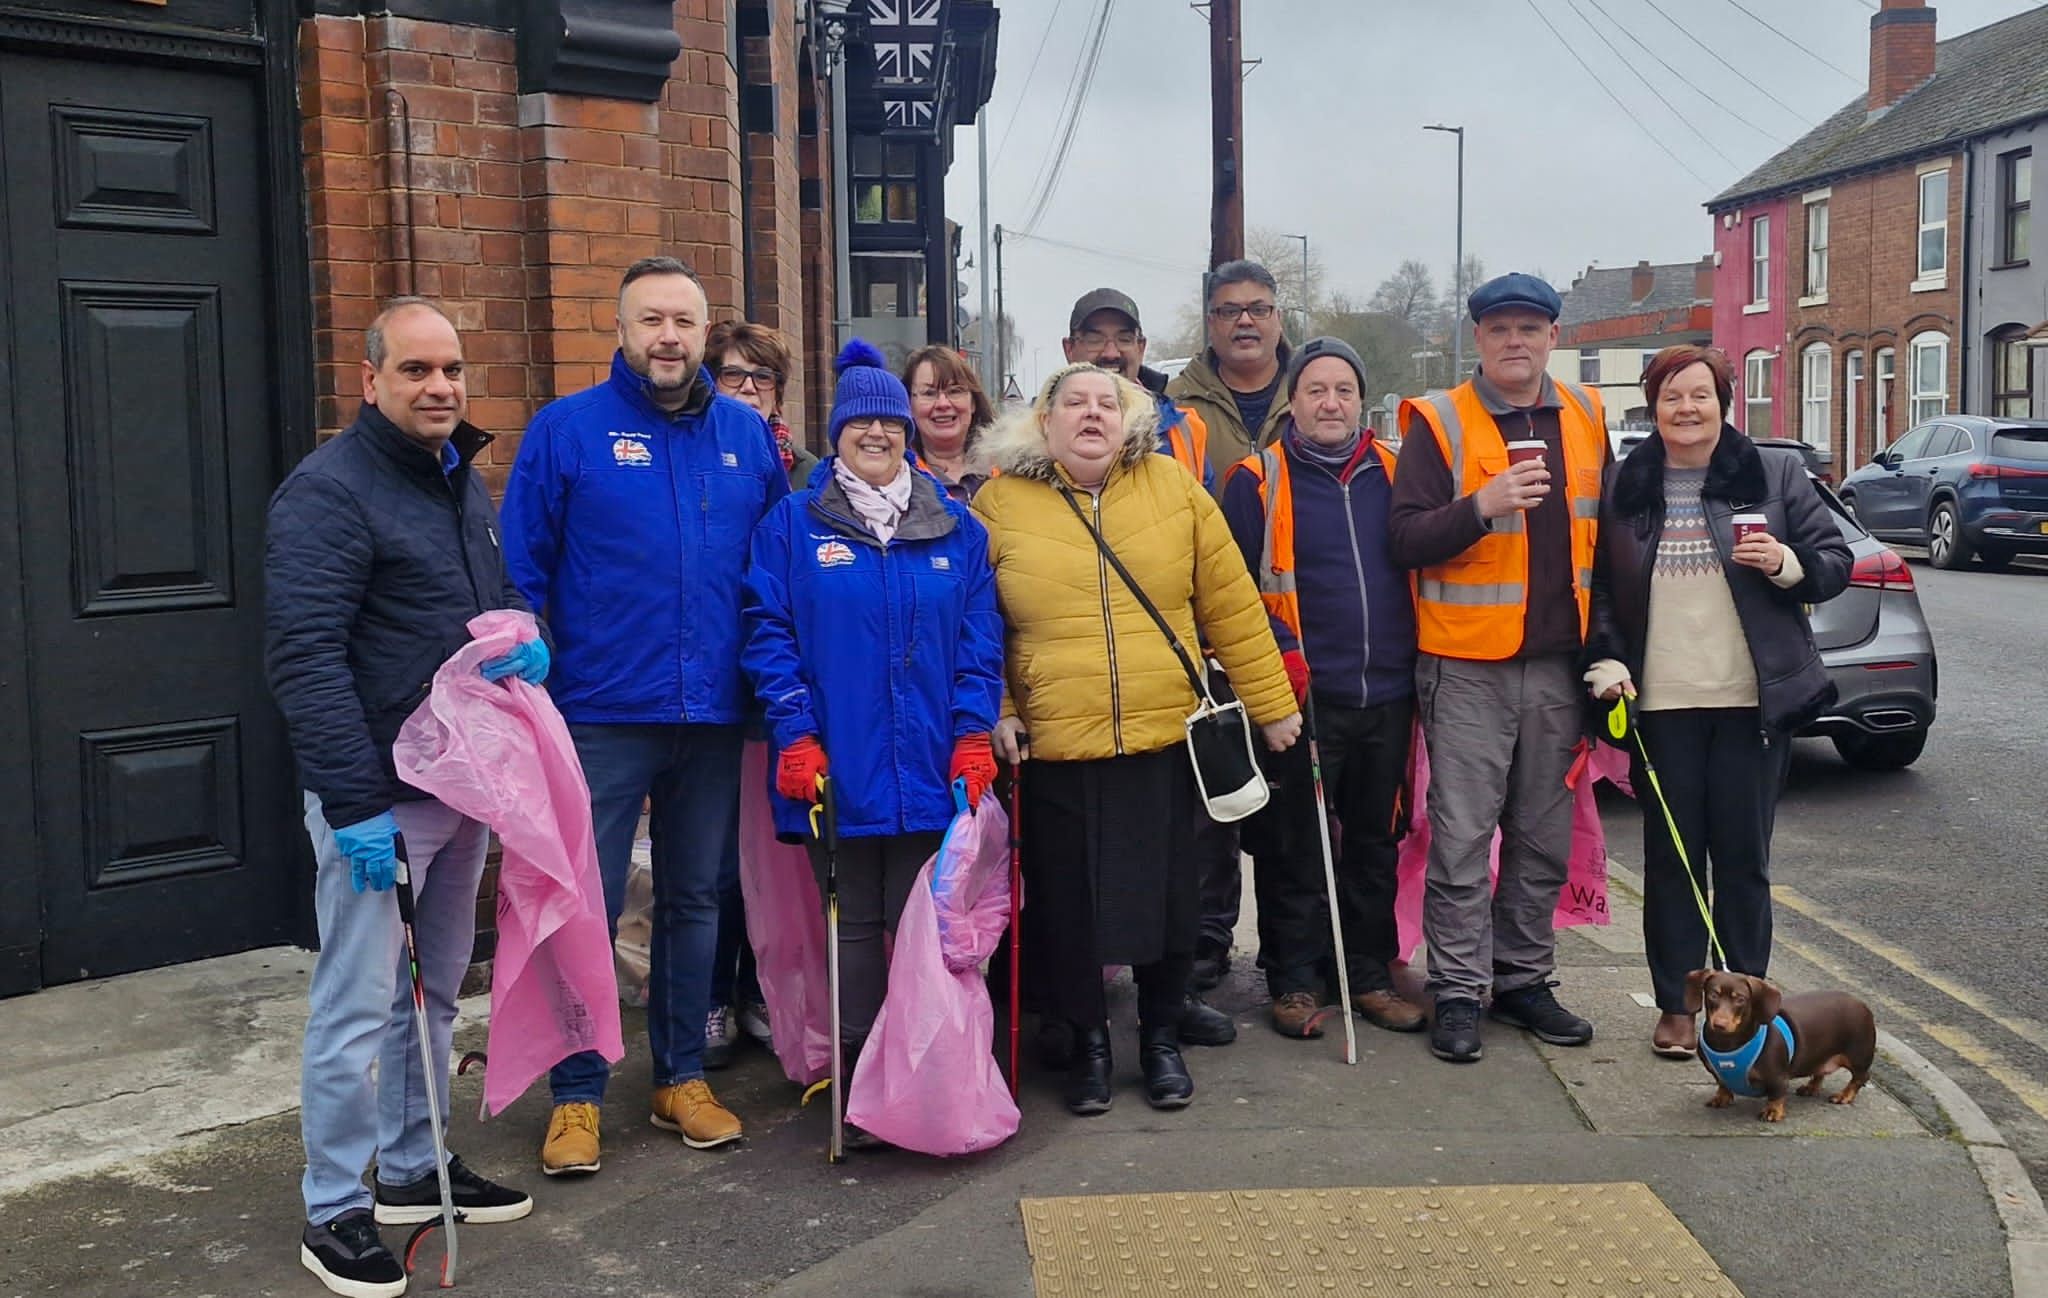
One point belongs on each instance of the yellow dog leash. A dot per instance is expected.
(1621, 725)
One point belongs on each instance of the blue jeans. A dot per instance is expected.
(691, 774)
(361, 1007)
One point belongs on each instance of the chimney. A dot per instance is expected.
(1901, 51)
(1703, 279)
(1640, 281)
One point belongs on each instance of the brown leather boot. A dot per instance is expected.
(1294, 1015)
(1384, 1008)
(1676, 1037)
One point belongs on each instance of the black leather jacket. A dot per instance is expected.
(1792, 684)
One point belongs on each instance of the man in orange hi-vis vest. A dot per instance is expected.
(1496, 506)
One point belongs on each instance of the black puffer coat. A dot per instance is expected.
(1742, 478)
(375, 562)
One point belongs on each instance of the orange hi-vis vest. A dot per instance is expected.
(1275, 576)
(1189, 438)
(1474, 606)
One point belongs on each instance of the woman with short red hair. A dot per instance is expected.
(1710, 549)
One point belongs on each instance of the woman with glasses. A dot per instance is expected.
(750, 363)
(950, 411)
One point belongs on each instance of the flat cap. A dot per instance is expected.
(1514, 289)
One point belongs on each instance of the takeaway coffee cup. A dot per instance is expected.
(1747, 525)
(1526, 450)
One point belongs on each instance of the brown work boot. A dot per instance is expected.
(690, 1109)
(1296, 1014)
(571, 1146)
(1676, 1036)
(1384, 1008)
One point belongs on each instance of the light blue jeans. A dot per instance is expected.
(362, 1007)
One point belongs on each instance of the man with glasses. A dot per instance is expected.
(751, 364)
(1103, 330)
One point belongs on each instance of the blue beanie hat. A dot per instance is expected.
(866, 388)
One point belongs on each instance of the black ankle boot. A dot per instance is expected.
(1167, 1084)
(1088, 1074)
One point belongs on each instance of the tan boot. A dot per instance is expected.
(572, 1145)
(690, 1109)
(1385, 1008)
(1296, 1015)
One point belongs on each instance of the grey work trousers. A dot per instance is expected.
(1500, 737)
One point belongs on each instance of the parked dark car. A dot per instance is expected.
(1820, 465)
(1964, 486)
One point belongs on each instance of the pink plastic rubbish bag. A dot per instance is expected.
(1584, 899)
(498, 752)
(927, 1079)
(786, 924)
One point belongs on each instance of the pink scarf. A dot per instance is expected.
(881, 508)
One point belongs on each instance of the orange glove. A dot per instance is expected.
(1297, 675)
(798, 768)
(975, 762)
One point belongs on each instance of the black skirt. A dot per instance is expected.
(1110, 873)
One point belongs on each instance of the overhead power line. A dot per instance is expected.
(1047, 180)
(1111, 254)
(1688, 82)
(1597, 80)
(1648, 84)
(1795, 44)
(1024, 86)
(1804, 120)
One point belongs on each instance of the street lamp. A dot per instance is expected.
(1304, 282)
(1458, 266)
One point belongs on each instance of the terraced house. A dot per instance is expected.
(1881, 270)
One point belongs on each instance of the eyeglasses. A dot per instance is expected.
(957, 394)
(1097, 337)
(872, 423)
(735, 377)
(1229, 312)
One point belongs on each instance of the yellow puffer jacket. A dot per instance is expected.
(1087, 669)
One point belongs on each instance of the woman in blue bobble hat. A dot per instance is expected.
(874, 644)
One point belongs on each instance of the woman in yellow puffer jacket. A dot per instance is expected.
(1110, 804)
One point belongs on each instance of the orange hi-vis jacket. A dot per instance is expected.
(1189, 437)
(1474, 605)
(1277, 588)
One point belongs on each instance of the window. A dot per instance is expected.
(2015, 200)
(1934, 225)
(1913, 446)
(1756, 393)
(884, 181)
(1816, 378)
(1817, 248)
(1928, 372)
(1852, 402)
(888, 285)
(2012, 376)
(1589, 364)
(1649, 354)
(1759, 259)
(1883, 372)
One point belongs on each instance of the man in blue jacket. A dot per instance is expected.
(628, 518)
(381, 547)
(1310, 514)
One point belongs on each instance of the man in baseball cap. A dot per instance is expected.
(1103, 329)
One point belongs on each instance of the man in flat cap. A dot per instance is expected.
(1496, 505)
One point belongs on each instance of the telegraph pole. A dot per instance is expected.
(1226, 127)
(991, 376)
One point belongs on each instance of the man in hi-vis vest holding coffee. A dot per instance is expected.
(1496, 505)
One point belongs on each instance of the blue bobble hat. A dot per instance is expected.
(1514, 290)
(866, 388)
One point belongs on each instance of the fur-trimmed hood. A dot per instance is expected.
(1735, 473)
(1016, 444)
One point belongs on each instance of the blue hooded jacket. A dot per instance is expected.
(630, 525)
(886, 653)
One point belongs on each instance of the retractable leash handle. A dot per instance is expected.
(407, 918)
(1623, 723)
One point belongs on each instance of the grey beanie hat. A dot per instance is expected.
(1317, 348)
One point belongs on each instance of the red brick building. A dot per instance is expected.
(202, 202)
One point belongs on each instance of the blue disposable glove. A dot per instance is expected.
(528, 661)
(371, 847)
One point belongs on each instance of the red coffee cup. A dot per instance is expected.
(1747, 525)
(1525, 450)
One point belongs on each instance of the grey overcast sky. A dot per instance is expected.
(1556, 174)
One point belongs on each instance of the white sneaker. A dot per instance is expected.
(754, 1022)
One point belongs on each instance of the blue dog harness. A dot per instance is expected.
(1731, 1067)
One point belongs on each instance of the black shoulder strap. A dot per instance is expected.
(1187, 664)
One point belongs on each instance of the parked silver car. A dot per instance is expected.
(1879, 651)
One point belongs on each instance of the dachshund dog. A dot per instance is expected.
(1755, 1039)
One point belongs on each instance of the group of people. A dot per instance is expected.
(948, 593)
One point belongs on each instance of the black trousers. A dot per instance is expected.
(875, 878)
(1365, 762)
(1720, 772)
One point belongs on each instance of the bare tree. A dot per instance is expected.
(1409, 294)
(1281, 253)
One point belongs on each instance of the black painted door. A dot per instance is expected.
(138, 421)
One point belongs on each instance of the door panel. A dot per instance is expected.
(144, 446)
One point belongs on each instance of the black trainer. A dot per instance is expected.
(1535, 1008)
(1211, 964)
(1202, 1024)
(1454, 1031)
(476, 1199)
(350, 1258)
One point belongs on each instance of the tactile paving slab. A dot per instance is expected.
(1567, 1241)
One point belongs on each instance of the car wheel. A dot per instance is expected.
(1946, 547)
(1994, 559)
(1890, 752)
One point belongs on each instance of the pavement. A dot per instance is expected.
(148, 1147)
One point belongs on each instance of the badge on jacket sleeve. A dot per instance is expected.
(834, 554)
(627, 452)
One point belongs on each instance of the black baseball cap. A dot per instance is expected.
(1102, 299)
